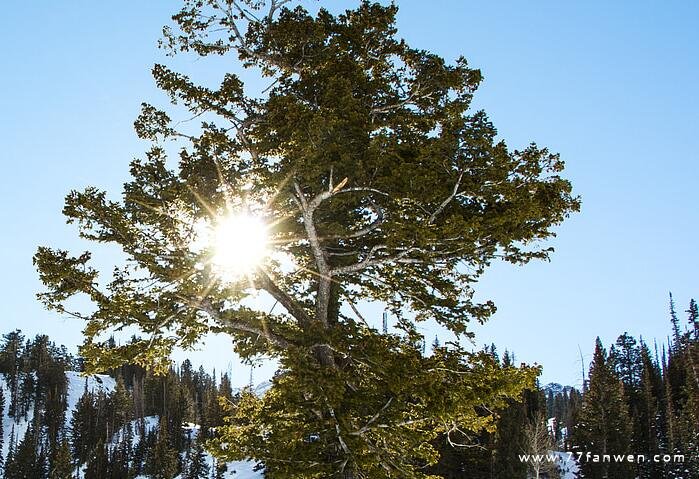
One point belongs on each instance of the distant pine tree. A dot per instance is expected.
(693, 318)
(82, 427)
(435, 344)
(62, 465)
(675, 324)
(197, 466)
(603, 424)
(98, 462)
(161, 462)
(9, 468)
(648, 420)
(27, 463)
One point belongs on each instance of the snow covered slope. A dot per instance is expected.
(76, 388)
(77, 384)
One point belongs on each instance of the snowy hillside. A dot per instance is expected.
(77, 385)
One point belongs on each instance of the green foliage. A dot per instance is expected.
(61, 465)
(197, 467)
(161, 461)
(378, 182)
(603, 424)
(366, 415)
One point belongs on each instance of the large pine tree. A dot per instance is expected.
(375, 180)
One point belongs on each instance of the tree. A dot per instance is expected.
(376, 182)
(197, 466)
(97, 466)
(9, 469)
(539, 443)
(693, 318)
(10, 365)
(161, 462)
(27, 463)
(603, 424)
(83, 428)
(61, 465)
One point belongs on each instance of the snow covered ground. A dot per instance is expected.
(567, 464)
(77, 385)
(9, 424)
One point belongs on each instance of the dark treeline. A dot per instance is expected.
(643, 399)
(638, 398)
(144, 425)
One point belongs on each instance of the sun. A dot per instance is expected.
(238, 244)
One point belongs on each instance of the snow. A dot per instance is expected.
(567, 465)
(20, 426)
(77, 384)
(258, 390)
(96, 383)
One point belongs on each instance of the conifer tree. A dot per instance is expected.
(693, 318)
(378, 181)
(161, 461)
(11, 366)
(603, 424)
(97, 466)
(197, 466)
(510, 441)
(62, 464)
(675, 324)
(140, 452)
(120, 404)
(648, 417)
(9, 470)
(83, 428)
(118, 465)
(27, 463)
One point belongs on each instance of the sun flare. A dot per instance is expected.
(238, 243)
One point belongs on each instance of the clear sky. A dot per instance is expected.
(609, 85)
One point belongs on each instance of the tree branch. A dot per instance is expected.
(324, 274)
(444, 204)
(206, 307)
(294, 309)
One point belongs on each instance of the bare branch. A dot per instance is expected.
(368, 261)
(444, 204)
(356, 311)
(284, 299)
(373, 419)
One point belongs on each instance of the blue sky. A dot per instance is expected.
(609, 85)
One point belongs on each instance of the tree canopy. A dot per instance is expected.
(377, 182)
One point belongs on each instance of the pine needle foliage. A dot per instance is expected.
(378, 183)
